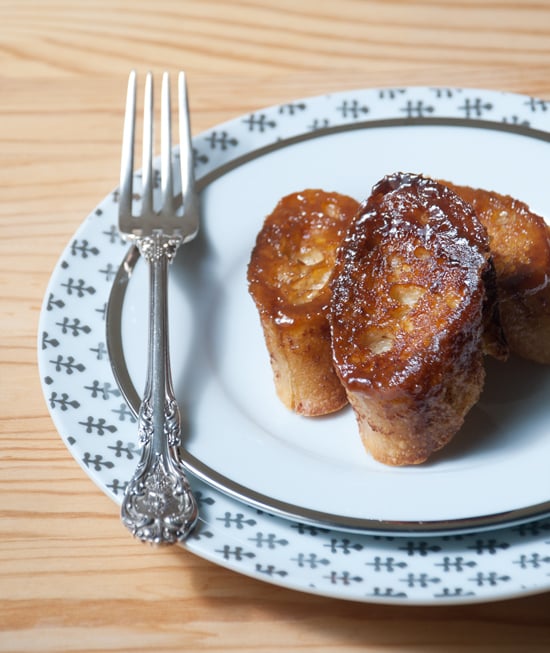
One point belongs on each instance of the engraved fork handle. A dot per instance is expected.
(158, 505)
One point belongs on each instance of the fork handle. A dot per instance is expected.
(158, 504)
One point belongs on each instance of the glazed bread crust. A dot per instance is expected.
(520, 246)
(408, 312)
(289, 274)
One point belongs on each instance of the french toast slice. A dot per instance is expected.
(520, 246)
(407, 314)
(288, 275)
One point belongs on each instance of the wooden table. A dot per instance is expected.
(71, 578)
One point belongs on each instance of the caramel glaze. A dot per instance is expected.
(289, 274)
(520, 246)
(408, 312)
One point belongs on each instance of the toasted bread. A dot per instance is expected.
(408, 310)
(520, 246)
(288, 276)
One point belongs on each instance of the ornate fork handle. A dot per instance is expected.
(158, 504)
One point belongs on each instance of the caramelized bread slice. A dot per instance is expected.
(288, 276)
(407, 316)
(520, 247)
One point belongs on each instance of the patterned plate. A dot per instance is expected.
(240, 438)
(99, 429)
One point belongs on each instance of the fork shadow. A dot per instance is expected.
(188, 275)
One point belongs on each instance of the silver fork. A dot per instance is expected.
(158, 504)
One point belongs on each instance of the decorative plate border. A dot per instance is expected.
(99, 429)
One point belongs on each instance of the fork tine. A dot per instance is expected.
(167, 183)
(186, 148)
(179, 215)
(187, 170)
(127, 157)
(148, 146)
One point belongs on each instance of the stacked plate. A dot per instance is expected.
(291, 500)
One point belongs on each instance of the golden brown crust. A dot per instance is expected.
(288, 275)
(413, 304)
(520, 247)
(407, 316)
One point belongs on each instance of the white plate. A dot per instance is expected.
(98, 428)
(240, 438)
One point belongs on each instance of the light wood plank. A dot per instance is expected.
(71, 579)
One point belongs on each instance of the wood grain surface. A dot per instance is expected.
(71, 578)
